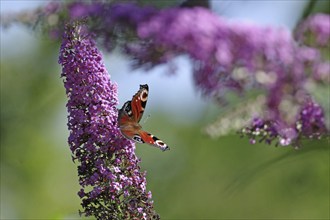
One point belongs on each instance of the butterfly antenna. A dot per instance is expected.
(145, 120)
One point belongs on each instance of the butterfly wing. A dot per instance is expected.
(129, 116)
(145, 137)
(139, 102)
(126, 121)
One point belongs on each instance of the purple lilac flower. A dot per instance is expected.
(268, 58)
(114, 22)
(112, 185)
(315, 30)
(219, 47)
(262, 130)
(311, 121)
(309, 124)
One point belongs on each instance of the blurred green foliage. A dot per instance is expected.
(35, 179)
(228, 178)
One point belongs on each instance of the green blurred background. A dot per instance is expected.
(199, 178)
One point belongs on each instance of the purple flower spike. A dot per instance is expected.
(112, 185)
(311, 120)
(309, 124)
(226, 56)
(318, 26)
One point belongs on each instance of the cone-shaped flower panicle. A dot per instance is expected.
(112, 185)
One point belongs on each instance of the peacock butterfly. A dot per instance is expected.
(129, 117)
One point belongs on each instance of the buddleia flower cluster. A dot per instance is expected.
(112, 185)
(227, 57)
(310, 124)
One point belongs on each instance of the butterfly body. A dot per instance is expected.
(130, 115)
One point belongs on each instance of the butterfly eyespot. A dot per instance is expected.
(138, 139)
(144, 96)
(130, 115)
(159, 142)
(127, 106)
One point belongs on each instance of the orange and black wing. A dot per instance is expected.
(139, 102)
(129, 116)
(145, 137)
